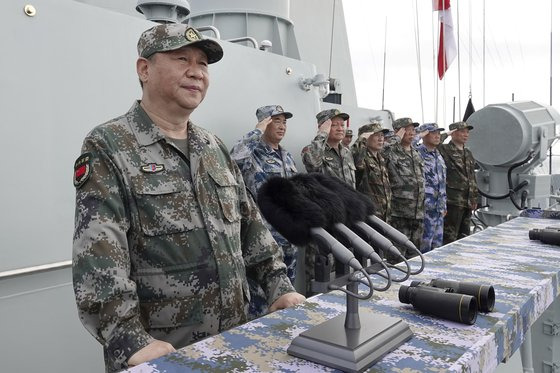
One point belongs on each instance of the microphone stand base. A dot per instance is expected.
(351, 350)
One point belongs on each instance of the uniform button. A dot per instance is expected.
(117, 353)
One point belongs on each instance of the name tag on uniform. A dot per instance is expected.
(152, 168)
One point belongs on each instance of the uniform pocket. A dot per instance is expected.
(170, 296)
(272, 168)
(166, 204)
(226, 189)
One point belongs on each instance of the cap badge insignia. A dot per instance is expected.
(191, 35)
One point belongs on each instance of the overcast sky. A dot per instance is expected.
(517, 55)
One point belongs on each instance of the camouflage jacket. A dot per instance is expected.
(406, 173)
(319, 156)
(462, 190)
(372, 178)
(434, 179)
(163, 241)
(258, 162)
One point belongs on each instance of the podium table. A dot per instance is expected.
(524, 274)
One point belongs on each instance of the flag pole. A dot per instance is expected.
(418, 59)
(484, 53)
(444, 95)
(453, 109)
(384, 61)
(550, 99)
(435, 61)
(458, 57)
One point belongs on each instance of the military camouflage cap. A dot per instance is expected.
(430, 127)
(374, 127)
(329, 114)
(172, 36)
(460, 126)
(270, 111)
(349, 133)
(403, 122)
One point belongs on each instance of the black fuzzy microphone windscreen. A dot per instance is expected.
(289, 211)
(331, 204)
(357, 205)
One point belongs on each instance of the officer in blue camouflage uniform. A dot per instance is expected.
(260, 157)
(435, 200)
(406, 173)
(372, 177)
(462, 191)
(326, 154)
(165, 233)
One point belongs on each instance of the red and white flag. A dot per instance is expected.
(447, 49)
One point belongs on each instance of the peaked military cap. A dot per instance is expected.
(349, 133)
(270, 111)
(172, 36)
(460, 126)
(430, 127)
(374, 127)
(403, 122)
(329, 114)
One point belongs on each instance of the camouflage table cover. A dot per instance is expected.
(524, 274)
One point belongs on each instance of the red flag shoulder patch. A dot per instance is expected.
(82, 169)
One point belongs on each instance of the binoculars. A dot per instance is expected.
(451, 300)
(548, 235)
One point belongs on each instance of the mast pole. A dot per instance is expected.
(418, 59)
(458, 58)
(384, 61)
(550, 92)
(484, 53)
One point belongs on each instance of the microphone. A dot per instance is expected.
(337, 210)
(352, 198)
(358, 206)
(301, 220)
(356, 211)
(391, 232)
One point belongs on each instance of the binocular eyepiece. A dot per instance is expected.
(451, 300)
(548, 235)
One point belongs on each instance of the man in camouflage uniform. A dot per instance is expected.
(406, 173)
(372, 177)
(260, 157)
(326, 154)
(462, 191)
(165, 232)
(434, 186)
(347, 140)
